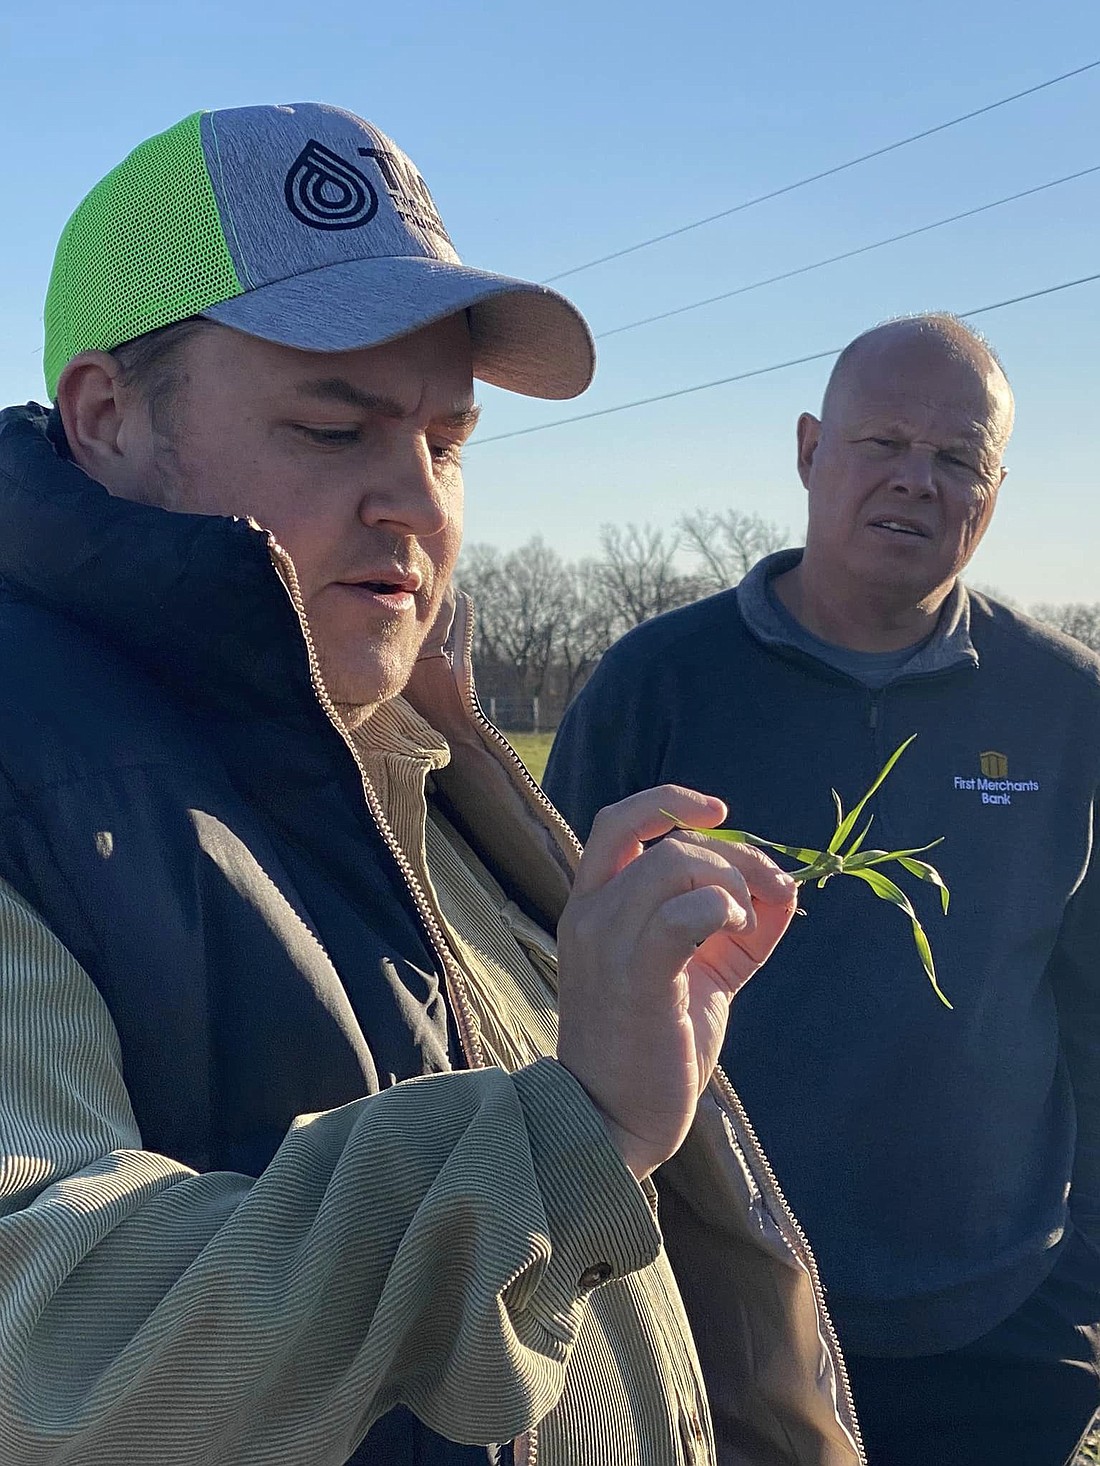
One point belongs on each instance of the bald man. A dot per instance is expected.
(945, 1163)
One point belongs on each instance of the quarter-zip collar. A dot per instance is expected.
(948, 647)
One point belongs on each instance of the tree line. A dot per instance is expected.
(543, 622)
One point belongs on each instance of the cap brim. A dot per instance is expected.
(526, 337)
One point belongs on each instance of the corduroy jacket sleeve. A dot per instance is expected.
(431, 1245)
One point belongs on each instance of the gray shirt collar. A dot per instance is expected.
(949, 646)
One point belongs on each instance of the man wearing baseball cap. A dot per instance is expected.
(298, 1161)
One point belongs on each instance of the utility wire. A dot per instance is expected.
(778, 366)
(825, 173)
(847, 255)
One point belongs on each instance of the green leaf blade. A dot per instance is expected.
(848, 824)
(929, 873)
(800, 853)
(857, 844)
(866, 858)
(839, 809)
(886, 890)
(880, 857)
(822, 865)
(744, 837)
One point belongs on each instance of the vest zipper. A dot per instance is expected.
(525, 1445)
(464, 1015)
(799, 1244)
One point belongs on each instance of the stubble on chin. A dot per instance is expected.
(354, 714)
(357, 691)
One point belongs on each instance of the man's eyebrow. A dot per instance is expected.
(339, 389)
(970, 435)
(465, 420)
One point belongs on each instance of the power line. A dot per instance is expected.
(847, 255)
(825, 173)
(778, 366)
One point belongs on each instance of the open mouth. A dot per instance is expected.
(399, 582)
(398, 592)
(905, 527)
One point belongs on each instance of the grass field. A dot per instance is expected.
(533, 749)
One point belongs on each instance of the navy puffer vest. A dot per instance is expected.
(176, 805)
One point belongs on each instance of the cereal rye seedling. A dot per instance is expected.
(822, 865)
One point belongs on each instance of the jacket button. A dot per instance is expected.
(593, 1276)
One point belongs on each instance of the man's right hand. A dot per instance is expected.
(655, 941)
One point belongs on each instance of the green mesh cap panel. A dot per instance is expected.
(144, 249)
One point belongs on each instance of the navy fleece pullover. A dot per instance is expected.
(929, 1154)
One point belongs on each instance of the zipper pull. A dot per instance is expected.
(872, 719)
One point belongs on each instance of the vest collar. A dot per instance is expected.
(195, 599)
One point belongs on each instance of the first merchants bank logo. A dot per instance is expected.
(994, 765)
(993, 783)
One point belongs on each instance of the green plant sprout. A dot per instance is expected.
(822, 865)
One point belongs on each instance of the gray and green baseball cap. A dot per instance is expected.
(302, 225)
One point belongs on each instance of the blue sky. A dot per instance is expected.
(553, 135)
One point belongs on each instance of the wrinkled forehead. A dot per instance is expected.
(431, 368)
(922, 387)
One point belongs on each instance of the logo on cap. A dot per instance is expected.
(325, 192)
(408, 191)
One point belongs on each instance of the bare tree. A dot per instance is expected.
(523, 601)
(1078, 619)
(542, 623)
(639, 563)
(480, 573)
(728, 545)
(594, 623)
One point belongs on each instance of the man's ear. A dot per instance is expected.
(809, 434)
(91, 401)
